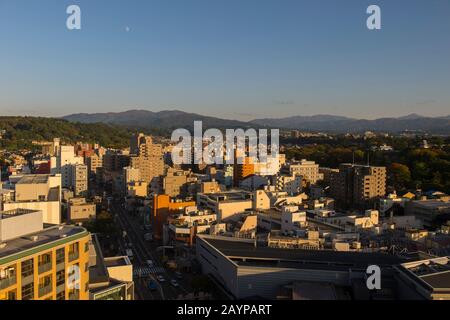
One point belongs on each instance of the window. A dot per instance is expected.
(74, 249)
(86, 247)
(60, 277)
(45, 285)
(27, 268)
(45, 262)
(8, 276)
(9, 295)
(60, 255)
(28, 292)
(61, 295)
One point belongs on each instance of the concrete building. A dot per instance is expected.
(149, 158)
(243, 269)
(38, 263)
(79, 180)
(162, 207)
(309, 170)
(137, 189)
(62, 163)
(79, 210)
(94, 162)
(292, 184)
(432, 213)
(424, 280)
(358, 185)
(35, 192)
(227, 203)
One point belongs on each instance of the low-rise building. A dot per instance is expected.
(79, 210)
(42, 263)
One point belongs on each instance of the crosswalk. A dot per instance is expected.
(146, 271)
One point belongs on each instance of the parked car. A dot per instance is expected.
(174, 283)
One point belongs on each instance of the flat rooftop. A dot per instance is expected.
(14, 213)
(34, 179)
(433, 272)
(232, 195)
(48, 235)
(248, 252)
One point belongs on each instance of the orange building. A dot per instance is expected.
(242, 171)
(162, 208)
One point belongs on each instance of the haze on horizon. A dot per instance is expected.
(229, 59)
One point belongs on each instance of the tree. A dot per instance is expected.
(401, 175)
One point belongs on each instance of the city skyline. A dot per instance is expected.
(226, 59)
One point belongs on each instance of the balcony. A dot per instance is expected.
(73, 256)
(45, 267)
(74, 295)
(45, 290)
(7, 282)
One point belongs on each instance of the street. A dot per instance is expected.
(143, 251)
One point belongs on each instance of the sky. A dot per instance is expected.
(236, 59)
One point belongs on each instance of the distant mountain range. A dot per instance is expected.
(328, 123)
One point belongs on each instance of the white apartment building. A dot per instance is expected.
(62, 163)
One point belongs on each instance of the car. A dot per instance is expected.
(152, 285)
(149, 263)
(179, 275)
(174, 283)
(161, 278)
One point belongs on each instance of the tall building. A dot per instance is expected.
(62, 163)
(135, 143)
(80, 180)
(358, 185)
(38, 263)
(242, 171)
(93, 162)
(149, 160)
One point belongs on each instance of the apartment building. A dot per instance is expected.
(38, 263)
(309, 170)
(150, 167)
(80, 180)
(34, 192)
(94, 162)
(62, 163)
(162, 207)
(358, 185)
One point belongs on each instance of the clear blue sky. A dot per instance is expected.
(238, 59)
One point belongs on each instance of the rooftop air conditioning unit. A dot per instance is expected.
(34, 238)
(2, 245)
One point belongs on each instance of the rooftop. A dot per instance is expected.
(34, 179)
(247, 251)
(50, 234)
(432, 273)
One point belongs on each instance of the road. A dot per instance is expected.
(142, 252)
